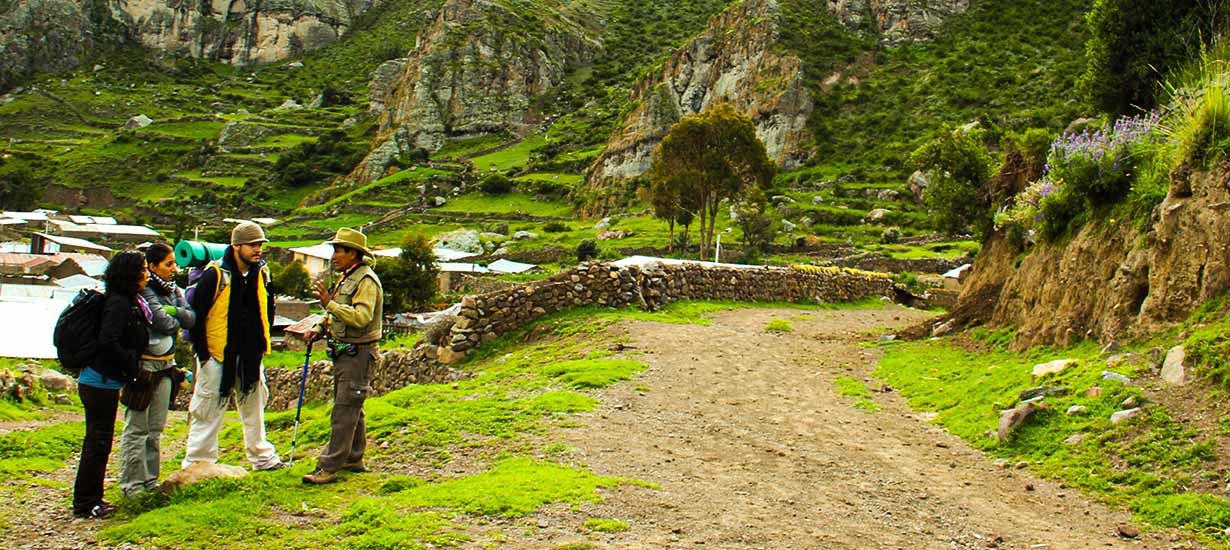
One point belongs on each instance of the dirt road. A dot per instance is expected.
(754, 449)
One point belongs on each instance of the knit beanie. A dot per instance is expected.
(247, 233)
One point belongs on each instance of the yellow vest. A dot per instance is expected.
(216, 321)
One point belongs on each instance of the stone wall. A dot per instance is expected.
(486, 317)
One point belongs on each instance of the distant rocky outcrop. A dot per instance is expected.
(473, 72)
(896, 21)
(737, 60)
(239, 32)
(49, 35)
(733, 61)
(1112, 281)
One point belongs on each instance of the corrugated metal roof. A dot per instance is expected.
(74, 242)
(455, 267)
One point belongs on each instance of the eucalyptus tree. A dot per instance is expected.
(707, 157)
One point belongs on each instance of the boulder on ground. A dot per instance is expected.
(1010, 419)
(55, 381)
(139, 121)
(199, 472)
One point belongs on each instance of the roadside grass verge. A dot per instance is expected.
(1148, 465)
(496, 420)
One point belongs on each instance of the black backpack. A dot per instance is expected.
(76, 333)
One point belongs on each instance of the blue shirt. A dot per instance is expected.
(94, 379)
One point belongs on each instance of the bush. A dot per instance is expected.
(587, 250)
(495, 184)
(555, 227)
(409, 280)
(1084, 172)
(891, 235)
(958, 164)
(1199, 119)
(292, 280)
(1133, 43)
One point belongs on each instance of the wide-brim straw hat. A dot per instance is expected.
(350, 238)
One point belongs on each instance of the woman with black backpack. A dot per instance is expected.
(123, 336)
(146, 401)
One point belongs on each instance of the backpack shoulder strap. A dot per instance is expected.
(224, 278)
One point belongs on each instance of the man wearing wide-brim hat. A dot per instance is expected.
(352, 327)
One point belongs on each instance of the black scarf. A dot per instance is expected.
(160, 285)
(245, 334)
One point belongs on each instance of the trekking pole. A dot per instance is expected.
(302, 384)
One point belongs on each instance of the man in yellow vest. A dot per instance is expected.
(352, 326)
(234, 310)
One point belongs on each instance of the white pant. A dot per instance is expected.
(205, 412)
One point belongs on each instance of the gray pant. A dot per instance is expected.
(351, 383)
(140, 454)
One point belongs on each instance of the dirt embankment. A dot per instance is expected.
(1111, 281)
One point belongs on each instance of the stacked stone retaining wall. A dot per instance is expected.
(486, 317)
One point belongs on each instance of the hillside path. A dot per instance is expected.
(753, 448)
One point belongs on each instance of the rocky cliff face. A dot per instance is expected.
(1112, 281)
(476, 71)
(236, 31)
(48, 35)
(896, 21)
(734, 62)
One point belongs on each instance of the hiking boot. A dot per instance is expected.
(356, 467)
(275, 466)
(101, 510)
(320, 477)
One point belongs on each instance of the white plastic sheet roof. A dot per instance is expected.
(509, 266)
(27, 325)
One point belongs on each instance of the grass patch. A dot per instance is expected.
(41, 450)
(513, 157)
(850, 387)
(514, 488)
(518, 203)
(779, 326)
(606, 525)
(1145, 465)
(593, 373)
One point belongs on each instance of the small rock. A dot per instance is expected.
(1111, 347)
(887, 338)
(1108, 375)
(1043, 391)
(440, 201)
(1128, 531)
(1094, 391)
(1124, 415)
(1174, 371)
(1076, 409)
(1000, 463)
(1074, 439)
(1128, 403)
(1021, 465)
(1029, 486)
(1053, 367)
